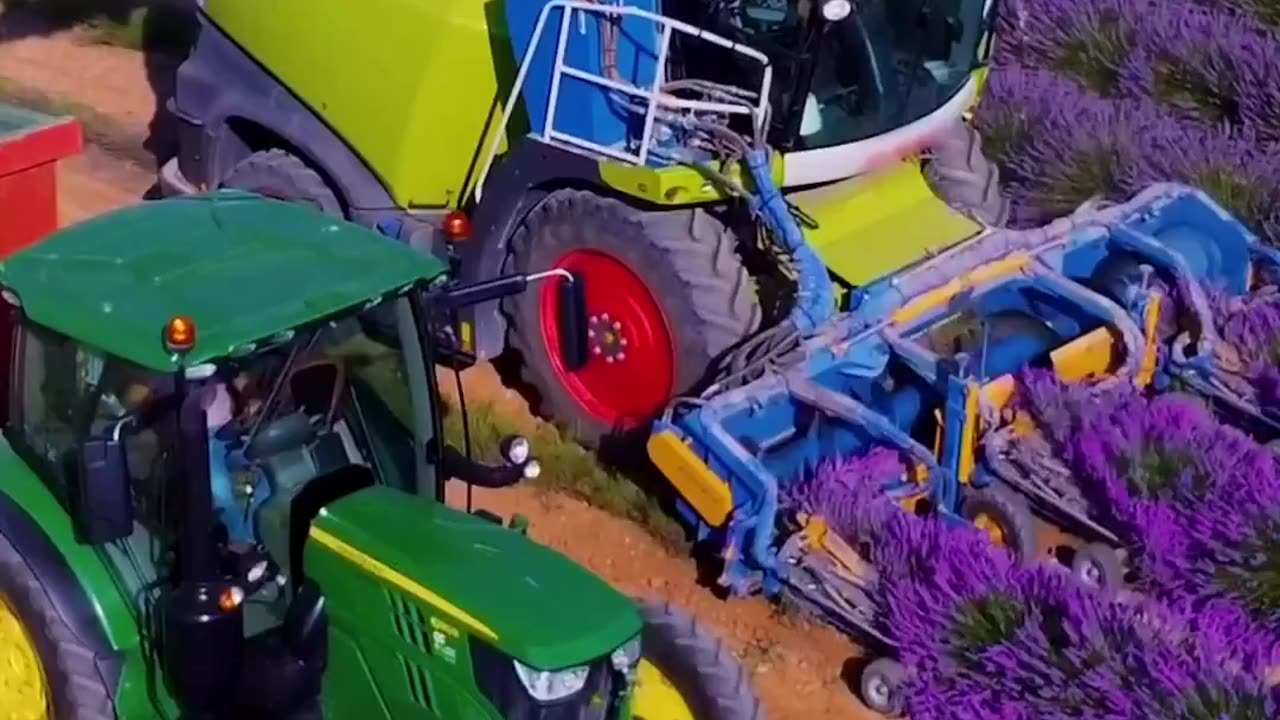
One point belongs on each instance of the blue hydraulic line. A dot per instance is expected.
(815, 297)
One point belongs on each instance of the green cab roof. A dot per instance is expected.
(242, 267)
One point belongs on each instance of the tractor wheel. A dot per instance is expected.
(1005, 517)
(1098, 567)
(280, 175)
(46, 672)
(959, 173)
(666, 294)
(880, 687)
(687, 674)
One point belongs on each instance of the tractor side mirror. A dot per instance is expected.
(103, 501)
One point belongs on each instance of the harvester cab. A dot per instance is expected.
(845, 71)
(223, 485)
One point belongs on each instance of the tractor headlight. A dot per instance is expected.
(626, 657)
(836, 10)
(552, 685)
(515, 449)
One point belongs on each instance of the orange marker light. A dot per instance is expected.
(230, 599)
(457, 226)
(180, 334)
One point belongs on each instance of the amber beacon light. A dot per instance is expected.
(180, 334)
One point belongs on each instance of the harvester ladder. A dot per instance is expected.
(655, 99)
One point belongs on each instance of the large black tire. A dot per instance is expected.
(1010, 512)
(959, 173)
(686, 259)
(280, 175)
(709, 679)
(77, 690)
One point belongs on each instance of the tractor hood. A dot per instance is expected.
(478, 577)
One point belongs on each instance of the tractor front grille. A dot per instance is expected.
(496, 677)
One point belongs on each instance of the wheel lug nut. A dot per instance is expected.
(622, 342)
(609, 359)
(622, 356)
(617, 325)
(605, 317)
(591, 333)
(596, 350)
(595, 318)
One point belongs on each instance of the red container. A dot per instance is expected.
(31, 145)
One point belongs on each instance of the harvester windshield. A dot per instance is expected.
(846, 70)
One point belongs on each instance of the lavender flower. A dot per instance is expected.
(1195, 502)
(985, 638)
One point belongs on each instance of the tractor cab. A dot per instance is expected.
(845, 71)
(251, 448)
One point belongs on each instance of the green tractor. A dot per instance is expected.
(221, 495)
(606, 139)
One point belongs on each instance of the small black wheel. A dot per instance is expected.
(685, 671)
(48, 671)
(278, 174)
(1004, 515)
(880, 687)
(1098, 567)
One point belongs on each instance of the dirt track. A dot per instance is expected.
(797, 665)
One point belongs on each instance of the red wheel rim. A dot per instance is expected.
(630, 371)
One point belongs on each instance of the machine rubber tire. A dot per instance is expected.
(1100, 560)
(280, 175)
(686, 259)
(961, 174)
(76, 688)
(880, 687)
(1010, 512)
(700, 666)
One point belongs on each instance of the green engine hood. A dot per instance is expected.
(524, 598)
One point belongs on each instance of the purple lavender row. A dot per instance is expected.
(1060, 145)
(1195, 502)
(1200, 60)
(987, 639)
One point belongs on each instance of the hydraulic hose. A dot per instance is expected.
(815, 295)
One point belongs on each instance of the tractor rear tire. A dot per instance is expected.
(76, 689)
(674, 276)
(280, 175)
(701, 669)
(961, 174)
(1010, 513)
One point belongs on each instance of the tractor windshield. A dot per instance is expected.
(886, 64)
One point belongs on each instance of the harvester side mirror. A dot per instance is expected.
(103, 501)
(571, 310)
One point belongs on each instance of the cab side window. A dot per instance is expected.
(48, 404)
(67, 391)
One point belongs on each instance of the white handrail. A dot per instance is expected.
(654, 96)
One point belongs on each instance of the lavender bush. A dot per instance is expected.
(1100, 97)
(985, 638)
(1197, 503)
